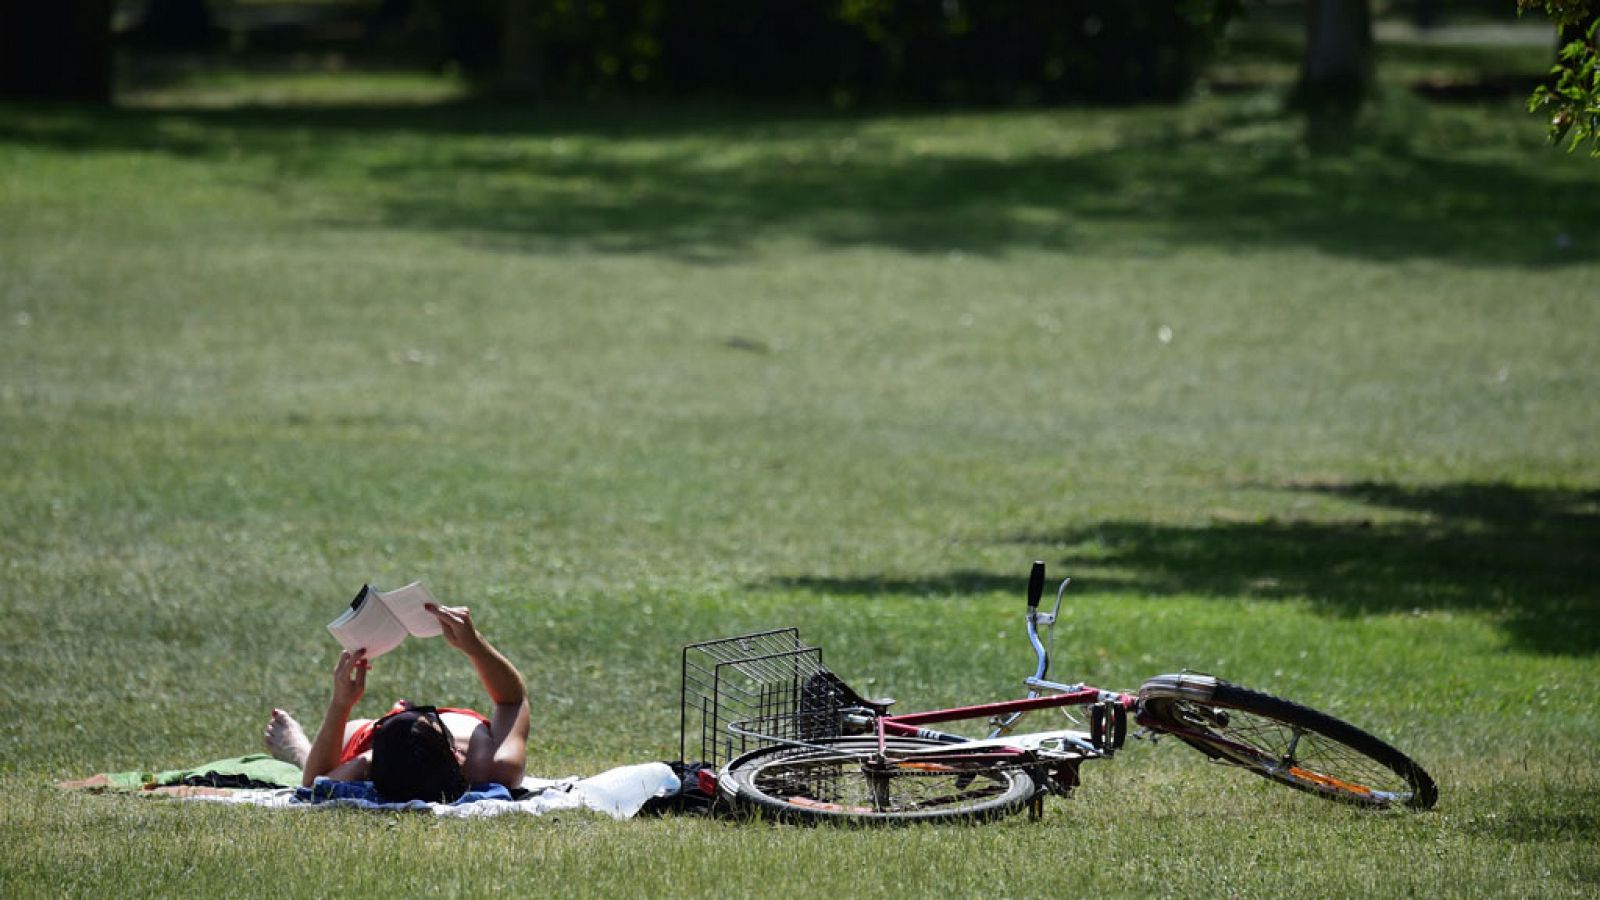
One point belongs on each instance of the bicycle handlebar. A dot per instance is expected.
(1035, 591)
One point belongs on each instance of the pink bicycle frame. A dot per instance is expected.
(909, 724)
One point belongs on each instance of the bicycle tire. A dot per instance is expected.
(835, 781)
(1284, 742)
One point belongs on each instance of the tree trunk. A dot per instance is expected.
(176, 25)
(519, 49)
(56, 50)
(1337, 70)
(1425, 14)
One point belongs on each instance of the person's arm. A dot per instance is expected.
(504, 758)
(349, 684)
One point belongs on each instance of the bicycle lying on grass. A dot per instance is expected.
(790, 739)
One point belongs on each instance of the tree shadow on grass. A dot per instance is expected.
(1534, 827)
(702, 183)
(1530, 557)
(958, 583)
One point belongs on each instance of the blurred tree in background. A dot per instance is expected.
(176, 25)
(56, 49)
(519, 47)
(844, 51)
(838, 51)
(1337, 70)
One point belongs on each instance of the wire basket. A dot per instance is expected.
(755, 690)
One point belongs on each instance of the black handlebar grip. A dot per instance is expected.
(1036, 584)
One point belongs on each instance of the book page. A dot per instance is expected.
(368, 623)
(406, 604)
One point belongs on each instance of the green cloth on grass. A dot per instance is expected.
(257, 767)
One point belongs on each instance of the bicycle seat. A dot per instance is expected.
(827, 688)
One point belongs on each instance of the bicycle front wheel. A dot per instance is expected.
(844, 780)
(1284, 742)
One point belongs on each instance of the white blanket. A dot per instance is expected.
(619, 793)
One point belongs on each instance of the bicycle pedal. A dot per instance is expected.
(1108, 727)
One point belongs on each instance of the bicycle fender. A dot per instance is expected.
(1185, 685)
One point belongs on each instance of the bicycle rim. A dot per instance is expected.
(1290, 744)
(839, 781)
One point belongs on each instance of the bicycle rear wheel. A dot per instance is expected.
(1284, 742)
(841, 780)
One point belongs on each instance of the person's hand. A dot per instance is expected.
(350, 677)
(459, 632)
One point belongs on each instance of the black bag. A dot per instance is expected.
(696, 794)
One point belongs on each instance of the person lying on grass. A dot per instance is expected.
(415, 752)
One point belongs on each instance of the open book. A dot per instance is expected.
(380, 620)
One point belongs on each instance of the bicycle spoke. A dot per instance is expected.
(1293, 752)
(857, 786)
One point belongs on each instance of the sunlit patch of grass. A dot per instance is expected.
(310, 86)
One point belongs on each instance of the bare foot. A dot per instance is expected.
(286, 740)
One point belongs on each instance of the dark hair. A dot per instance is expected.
(413, 758)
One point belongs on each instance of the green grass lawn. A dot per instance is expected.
(625, 378)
